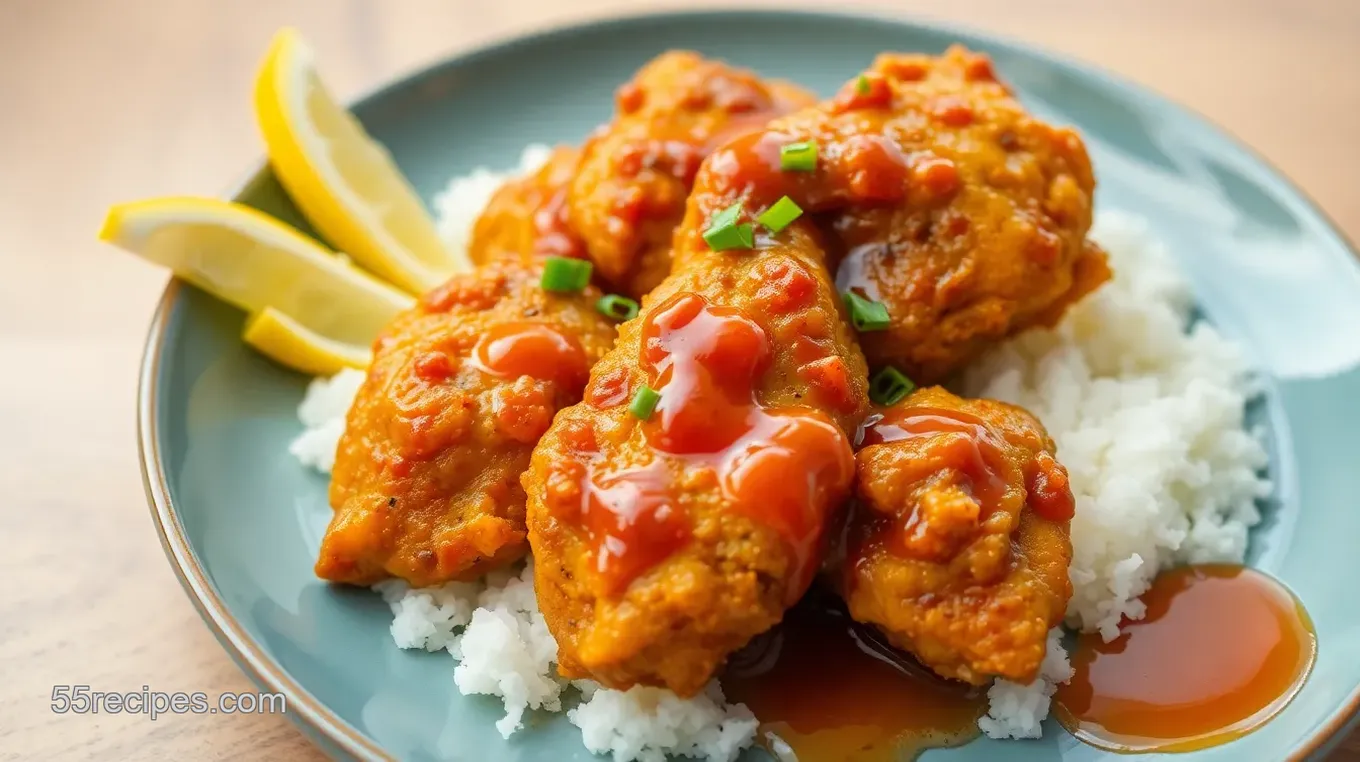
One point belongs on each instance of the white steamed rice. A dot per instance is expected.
(503, 647)
(1148, 414)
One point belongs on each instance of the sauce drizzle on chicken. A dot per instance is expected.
(707, 361)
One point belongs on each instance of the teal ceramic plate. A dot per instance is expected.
(240, 518)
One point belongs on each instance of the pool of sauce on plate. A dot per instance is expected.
(1223, 648)
(829, 690)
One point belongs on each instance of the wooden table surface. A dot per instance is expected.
(108, 101)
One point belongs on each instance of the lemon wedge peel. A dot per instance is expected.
(343, 181)
(255, 262)
(286, 341)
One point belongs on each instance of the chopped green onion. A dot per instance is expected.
(727, 217)
(780, 214)
(798, 157)
(644, 402)
(866, 314)
(889, 386)
(565, 274)
(724, 233)
(862, 85)
(741, 236)
(617, 307)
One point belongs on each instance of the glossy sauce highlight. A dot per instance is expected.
(511, 350)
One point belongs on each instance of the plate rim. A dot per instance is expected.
(316, 719)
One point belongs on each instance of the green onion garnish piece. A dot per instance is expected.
(644, 402)
(617, 307)
(866, 314)
(727, 217)
(725, 233)
(780, 214)
(565, 274)
(862, 85)
(798, 157)
(889, 386)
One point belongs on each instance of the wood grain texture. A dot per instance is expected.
(107, 101)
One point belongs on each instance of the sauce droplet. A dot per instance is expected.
(827, 689)
(1223, 648)
(511, 350)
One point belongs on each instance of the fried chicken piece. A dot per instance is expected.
(995, 241)
(665, 541)
(958, 547)
(426, 482)
(968, 219)
(426, 479)
(635, 173)
(526, 218)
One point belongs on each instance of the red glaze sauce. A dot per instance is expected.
(937, 176)
(977, 452)
(830, 378)
(554, 235)
(952, 110)
(511, 350)
(870, 91)
(964, 444)
(785, 287)
(827, 689)
(473, 291)
(609, 389)
(1222, 649)
(629, 97)
(678, 158)
(979, 69)
(858, 169)
(633, 522)
(433, 367)
(1049, 493)
(707, 362)
(907, 71)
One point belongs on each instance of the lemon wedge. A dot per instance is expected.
(343, 181)
(255, 262)
(283, 339)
